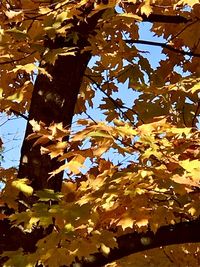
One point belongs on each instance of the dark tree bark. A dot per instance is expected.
(53, 102)
(180, 233)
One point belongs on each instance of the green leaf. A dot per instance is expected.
(17, 33)
(48, 194)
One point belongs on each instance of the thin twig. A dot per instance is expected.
(89, 117)
(163, 45)
(196, 114)
(16, 60)
(109, 97)
(19, 114)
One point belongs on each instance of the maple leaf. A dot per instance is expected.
(126, 221)
(188, 2)
(146, 8)
(192, 167)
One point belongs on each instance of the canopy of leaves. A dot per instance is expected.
(136, 171)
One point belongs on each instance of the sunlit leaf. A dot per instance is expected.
(21, 185)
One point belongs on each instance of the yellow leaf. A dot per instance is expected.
(112, 264)
(146, 8)
(156, 125)
(187, 2)
(82, 247)
(193, 167)
(44, 10)
(12, 14)
(68, 187)
(118, 122)
(35, 125)
(17, 97)
(145, 240)
(99, 134)
(142, 222)
(21, 185)
(105, 249)
(54, 150)
(33, 221)
(180, 131)
(31, 68)
(18, 259)
(126, 131)
(190, 165)
(56, 257)
(195, 88)
(69, 227)
(192, 211)
(126, 222)
(17, 34)
(74, 165)
(130, 15)
(102, 147)
(53, 54)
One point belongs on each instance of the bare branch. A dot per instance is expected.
(119, 107)
(19, 114)
(163, 45)
(165, 18)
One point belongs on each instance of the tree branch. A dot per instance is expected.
(15, 60)
(164, 18)
(112, 100)
(19, 114)
(53, 102)
(180, 233)
(196, 114)
(163, 45)
(12, 238)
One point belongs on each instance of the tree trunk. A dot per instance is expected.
(54, 101)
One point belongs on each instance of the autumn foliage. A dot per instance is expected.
(130, 195)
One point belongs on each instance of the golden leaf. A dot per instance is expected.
(21, 185)
(105, 249)
(187, 2)
(142, 222)
(193, 167)
(146, 8)
(126, 222)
